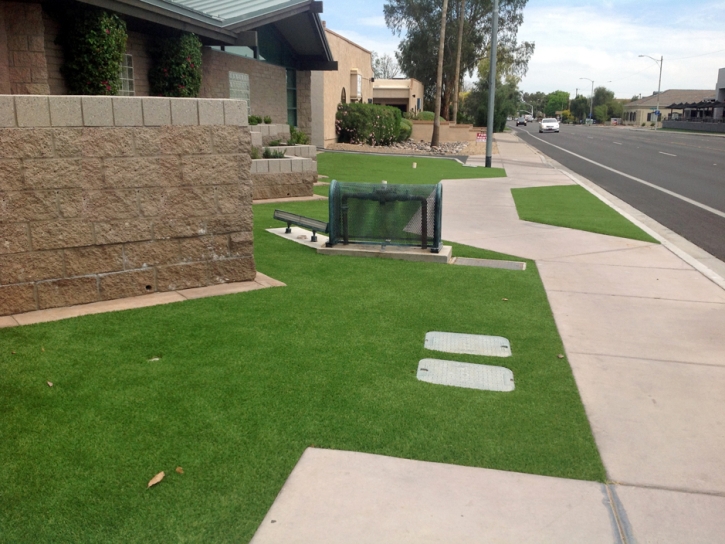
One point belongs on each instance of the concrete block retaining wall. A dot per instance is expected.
(695, 125)
(281, 178)
(109, 197)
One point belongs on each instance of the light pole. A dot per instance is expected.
(659, 84)
(591, 99)
(529, 105)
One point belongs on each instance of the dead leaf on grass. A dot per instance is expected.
(155, 359)
(560, 356)
(179, 470)
(156, 479)
(50, 384)
(504, 299)
(42, 349)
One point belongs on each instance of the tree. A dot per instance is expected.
(536, 100)
(600, 113)
(384, 66)
(419, 22)
(579, 107)
(602, 95)
(556, 101)
(475, 105)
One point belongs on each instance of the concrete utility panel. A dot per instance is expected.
(468, 375)
(471, 344)
(490, 263)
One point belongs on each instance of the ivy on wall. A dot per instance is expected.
(94, 42)
(176, 69)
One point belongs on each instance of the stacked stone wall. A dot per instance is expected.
(106, 197)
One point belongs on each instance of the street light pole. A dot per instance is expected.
(591, 98)
(659, 85)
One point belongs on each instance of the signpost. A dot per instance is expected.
(480, 137)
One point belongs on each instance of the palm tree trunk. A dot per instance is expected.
(461, 14)
(435, 140)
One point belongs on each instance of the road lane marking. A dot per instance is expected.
(618, 143)
(668, 154)
(638, 180)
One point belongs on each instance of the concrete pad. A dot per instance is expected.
(56, 314)
(289, 199)
(656, 423)
(630, 281)
(665, 330)
(659, 516)
(399, 253)
(261, 281)
(350, 497)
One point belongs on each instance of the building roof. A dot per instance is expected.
(672, 96)
(231, 12)
(234, 22)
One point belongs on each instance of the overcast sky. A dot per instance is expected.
(597, 40)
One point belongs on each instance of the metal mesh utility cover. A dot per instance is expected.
(472, 344)
(490, 263)
(469, 375)
(385, 214)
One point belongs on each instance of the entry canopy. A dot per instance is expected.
(235, 23)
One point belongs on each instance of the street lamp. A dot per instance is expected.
(659, 83)
(529, 105)
(591, 100)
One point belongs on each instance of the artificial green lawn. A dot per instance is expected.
(574, 207)
(246, 382)
(376, 168)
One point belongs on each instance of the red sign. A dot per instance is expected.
(481, 137)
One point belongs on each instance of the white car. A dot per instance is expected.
(549, 124)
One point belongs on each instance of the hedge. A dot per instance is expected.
(367, 123)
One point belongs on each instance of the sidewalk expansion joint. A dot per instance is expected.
(673, 489)
(620, 515)
(650, 360)
(618, 295)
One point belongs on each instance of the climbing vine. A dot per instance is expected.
(176, 69)
(93, 42)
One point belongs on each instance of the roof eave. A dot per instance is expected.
(171, 15)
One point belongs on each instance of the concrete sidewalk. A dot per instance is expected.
(644, 333)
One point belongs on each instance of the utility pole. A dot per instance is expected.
(435, 140)
(591, 100)
(492, 85)
(659, 86)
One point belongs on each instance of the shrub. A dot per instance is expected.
(272, 153)
(367, 123)
(267, 120)
(254, 153)
(254, 120)
(94, 43)
(297, 137)
(176, 68)
(275, 143)
(406, 129)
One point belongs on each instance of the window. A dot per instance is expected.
(292, 97)
(126, 74)
(343, 96)
(239, 87)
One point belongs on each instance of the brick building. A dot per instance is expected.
(259, 51)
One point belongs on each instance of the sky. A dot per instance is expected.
(600, 41)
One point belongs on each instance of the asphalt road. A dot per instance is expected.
(679, 177)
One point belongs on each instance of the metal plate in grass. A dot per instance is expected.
(472, 344)
(490, 263)
(469, 375)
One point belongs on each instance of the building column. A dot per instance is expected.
(304, 101)
(27, 67)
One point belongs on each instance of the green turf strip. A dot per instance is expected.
(376, 168)
(574, 207)
(244, 383)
